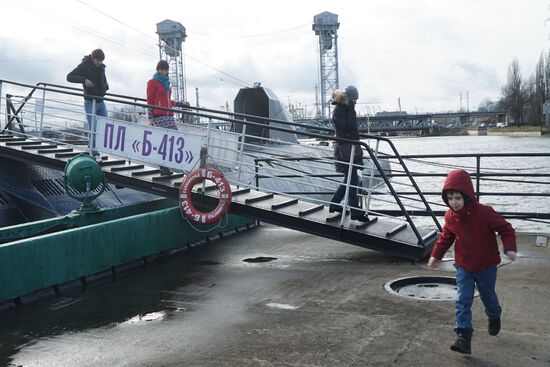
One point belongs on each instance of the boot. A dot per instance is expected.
(494, 326)
(334, 208)
(463, 344)
(359, 215)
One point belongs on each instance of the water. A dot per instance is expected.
(504, 165)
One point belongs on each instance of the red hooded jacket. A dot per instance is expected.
(472, 228)
(158, 96)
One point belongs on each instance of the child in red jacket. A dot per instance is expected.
(471, 226)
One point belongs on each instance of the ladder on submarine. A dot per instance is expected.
(387, 235)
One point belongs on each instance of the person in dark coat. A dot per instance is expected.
(471, 226)
(91, 74)
(344, 119)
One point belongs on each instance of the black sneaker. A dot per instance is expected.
(494, 326)
(463, 344)
(334, 208)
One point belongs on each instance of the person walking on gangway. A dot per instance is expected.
(159, 94)
(344, 119)
(91, 74)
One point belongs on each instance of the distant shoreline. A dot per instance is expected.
(509, 131)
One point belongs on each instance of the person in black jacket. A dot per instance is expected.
(91, 74)
(344, 119)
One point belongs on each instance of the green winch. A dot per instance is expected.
(84, 181)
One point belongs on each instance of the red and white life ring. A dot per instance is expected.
(224, 190)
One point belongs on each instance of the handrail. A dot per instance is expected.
(483, 176)
(288, 127)
(252, 120)
(235, 114)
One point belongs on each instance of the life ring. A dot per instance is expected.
(224, 190)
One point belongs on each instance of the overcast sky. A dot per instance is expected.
(425, 52)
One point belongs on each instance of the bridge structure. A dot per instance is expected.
(403, 122)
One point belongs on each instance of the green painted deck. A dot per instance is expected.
(81, 245)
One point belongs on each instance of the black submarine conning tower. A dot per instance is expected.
(262, 102)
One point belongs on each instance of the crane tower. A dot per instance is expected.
(171, 36)
(325, 26)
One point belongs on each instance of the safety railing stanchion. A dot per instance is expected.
(92, 127)
(1, 125)
(348, 180)
(371, 178)
(209, 126)
(42, 107)
(241, 149)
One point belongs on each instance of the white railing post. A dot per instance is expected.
(1, 125)
(241, 149)
(371, 178)
(42, 113)
(134, 118)
(346, 195)
(208, 133)
(93, 128)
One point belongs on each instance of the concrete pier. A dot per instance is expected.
(276, 297)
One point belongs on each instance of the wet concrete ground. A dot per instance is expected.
(318, 303)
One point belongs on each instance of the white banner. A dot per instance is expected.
(153, 145)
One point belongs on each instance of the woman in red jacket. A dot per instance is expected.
(159, 93)
(471, 226)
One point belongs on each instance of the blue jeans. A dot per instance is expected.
(466, 281)
(100, 110)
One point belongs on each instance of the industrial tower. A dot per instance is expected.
(171, 36)
(325, 26)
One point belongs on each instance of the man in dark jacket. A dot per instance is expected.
(91, 74)
(344, 119)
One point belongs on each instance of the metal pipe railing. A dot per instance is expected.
(280, 166)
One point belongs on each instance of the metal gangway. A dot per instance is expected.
(274, 177)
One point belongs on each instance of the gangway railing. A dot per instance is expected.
(261, 164)
(522, 178)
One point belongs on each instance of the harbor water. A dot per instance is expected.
(454, 145)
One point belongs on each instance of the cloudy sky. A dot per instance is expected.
(424, 52)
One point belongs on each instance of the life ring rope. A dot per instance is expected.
(185, 194)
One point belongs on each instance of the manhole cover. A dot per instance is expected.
(260, 259)
(424, 288)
